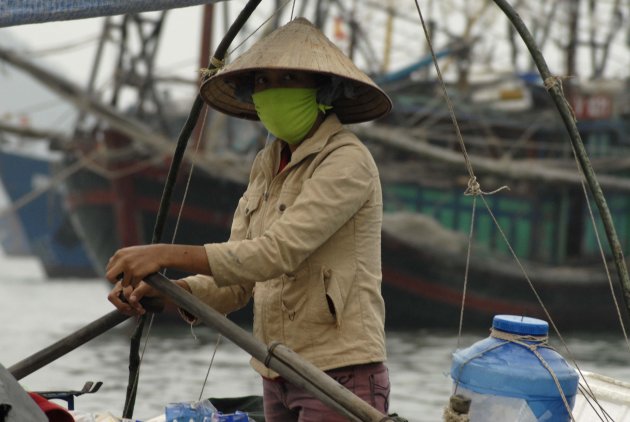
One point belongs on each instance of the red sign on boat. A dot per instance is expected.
(591, 107)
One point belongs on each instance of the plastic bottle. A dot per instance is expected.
(232, 417)
(508, 381)
(202, 411)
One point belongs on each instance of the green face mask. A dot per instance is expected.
(288, 113)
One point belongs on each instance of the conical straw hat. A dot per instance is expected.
(298, 45)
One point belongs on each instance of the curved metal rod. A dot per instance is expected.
(114, 318)
(167, 193)
(553, 85)
(192, 119)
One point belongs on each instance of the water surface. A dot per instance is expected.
(35, 312)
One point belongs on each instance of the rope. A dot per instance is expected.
(258, 28)
(176, 229)
(536, 343)
(189, 125)
(216, 347)
(451, 416)
(532, 343)
(217, 64)
(474, 190)
(270, 354)
(457, 409)
(601, 250)
(556, 82)
(57, 178)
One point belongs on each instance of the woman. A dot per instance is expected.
(305, 240)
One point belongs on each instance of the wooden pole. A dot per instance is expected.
(106, 322)
(277, 357)
(67, 344)
(281, 359)
(554, 86)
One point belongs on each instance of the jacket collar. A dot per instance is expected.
(329, 127)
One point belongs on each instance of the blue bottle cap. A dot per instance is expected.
(520, 325)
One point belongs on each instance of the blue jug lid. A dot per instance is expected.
(520, 325)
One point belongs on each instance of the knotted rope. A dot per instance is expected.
(529, 342)
(215, 66)
(556, 82)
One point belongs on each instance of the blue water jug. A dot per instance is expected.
(511, 363)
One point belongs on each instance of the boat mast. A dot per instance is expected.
(571, 48)
(389, 27)
(599, 61)
(204, 53)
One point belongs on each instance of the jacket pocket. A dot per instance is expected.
(328, 303)
(253, 202)
(294, 293)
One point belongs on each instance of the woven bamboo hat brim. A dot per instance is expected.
(299, 46)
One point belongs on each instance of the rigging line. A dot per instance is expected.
(205, 381)
(258, 28)
(601, 251)
(588, 394)
(192, 167)
(531, 285)
(185, 134)
(292, 9)
(190, 173)
(474, 189)
(465, 288)
(177, 221)
(40, 106)
(58, 178)
(125, 171)
(62, 48)
(551, 83)
(444, 91)
(473, 186)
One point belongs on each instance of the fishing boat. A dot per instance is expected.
(437, 250)
(113, 201)
(543, 213)
(12, 237)
(44, 219)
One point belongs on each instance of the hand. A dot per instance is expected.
(131, 265)
(127, 299)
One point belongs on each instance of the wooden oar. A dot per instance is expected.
(72, 341)
(281, 359)
(277, 357)
(67, 344)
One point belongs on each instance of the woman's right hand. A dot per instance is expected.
(127, 299)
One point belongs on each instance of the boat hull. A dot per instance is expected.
(44, 219)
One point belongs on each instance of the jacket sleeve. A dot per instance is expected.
(337, 189)
(223, 299)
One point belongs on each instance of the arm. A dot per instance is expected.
(132, 264)
(338, 188)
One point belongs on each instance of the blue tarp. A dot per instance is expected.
(22, 12)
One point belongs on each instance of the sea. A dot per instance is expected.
(176, 359)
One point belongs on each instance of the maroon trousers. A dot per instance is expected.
(285, 403)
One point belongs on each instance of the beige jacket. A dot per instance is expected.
(306, 243)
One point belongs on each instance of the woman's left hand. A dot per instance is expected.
(132, 264)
